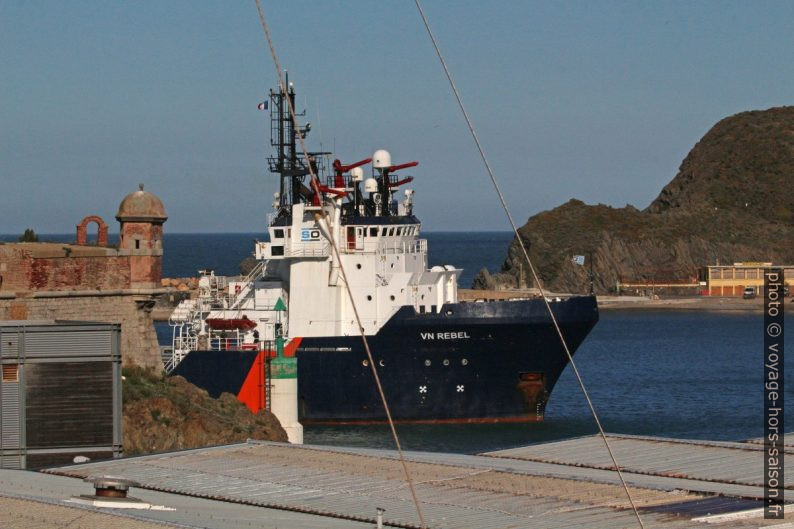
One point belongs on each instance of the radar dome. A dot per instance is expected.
(381, 159)
(357, 174)
(371, 185)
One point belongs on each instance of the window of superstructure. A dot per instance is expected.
(399, 231)
(384, 231)
(373, 232)
(278, 233)
(391, 232)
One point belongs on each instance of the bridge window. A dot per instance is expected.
(278, 234)
(276, 250)
(373, 232)
(399, 231)
(391, 231)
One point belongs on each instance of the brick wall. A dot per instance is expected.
(21, 271)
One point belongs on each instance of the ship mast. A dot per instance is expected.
(291, 167)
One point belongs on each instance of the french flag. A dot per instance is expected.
(262, 105)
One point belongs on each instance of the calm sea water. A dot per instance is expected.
(680, 374)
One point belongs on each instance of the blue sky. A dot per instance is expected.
(594, 100)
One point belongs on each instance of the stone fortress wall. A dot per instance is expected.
(94, 282)
(138, 339)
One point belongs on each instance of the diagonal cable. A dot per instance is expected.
(526, 256)
(324, 218)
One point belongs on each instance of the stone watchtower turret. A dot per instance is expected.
(141, 216)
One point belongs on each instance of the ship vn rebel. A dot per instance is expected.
(440, 360)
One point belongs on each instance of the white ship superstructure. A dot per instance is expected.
(439, 359)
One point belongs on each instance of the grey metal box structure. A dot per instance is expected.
(60, 392)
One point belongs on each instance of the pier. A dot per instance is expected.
(566, 484)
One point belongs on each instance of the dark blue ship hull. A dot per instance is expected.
(472, 362)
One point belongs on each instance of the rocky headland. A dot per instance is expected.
(732, 200)
(168, 413)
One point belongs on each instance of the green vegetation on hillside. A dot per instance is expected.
(730, 201)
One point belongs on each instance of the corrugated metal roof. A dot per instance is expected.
(455, 491)
(788, 440)
(729, 463)
(41, 491)
(581, 473)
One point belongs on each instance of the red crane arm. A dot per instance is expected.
(401, 182)
(340, 169)
(337, 192)
(402, 166)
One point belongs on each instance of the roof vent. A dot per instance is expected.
(111, 492)
(110, 487)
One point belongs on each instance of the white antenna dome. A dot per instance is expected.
(371, 185)
(357, 174)
(381, 159)
(408, 192)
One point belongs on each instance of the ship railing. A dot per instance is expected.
(309, 249)
(182, 343)
(167, 356)
(225, 343)
(393, 247)
(248, 284)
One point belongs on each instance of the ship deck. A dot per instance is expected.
(675, 483)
